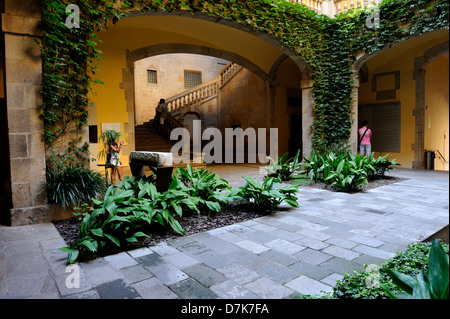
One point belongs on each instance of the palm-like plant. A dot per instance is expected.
(107, 138)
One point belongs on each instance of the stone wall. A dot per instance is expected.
(170, 79)
(23, 73)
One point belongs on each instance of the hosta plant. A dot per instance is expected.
(283, 167)
(202, 185)
(266, 196)
(125, 214)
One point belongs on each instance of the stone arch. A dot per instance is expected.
(420, 63)
(304, 67)
(268, 76)
(419, 112)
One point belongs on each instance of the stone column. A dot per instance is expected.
(419, 113)
(23, 73)
(307, 116)
(354, 131)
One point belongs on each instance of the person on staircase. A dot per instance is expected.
(162, 112)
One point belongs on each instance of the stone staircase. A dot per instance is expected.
(148, 140)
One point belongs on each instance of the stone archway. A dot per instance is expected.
(134, 55)
(419, 112)
(421, 52)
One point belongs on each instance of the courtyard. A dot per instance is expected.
(292, 252)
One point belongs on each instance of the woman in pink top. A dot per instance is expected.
(364, 139)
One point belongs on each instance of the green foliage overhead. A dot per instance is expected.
(328, 45)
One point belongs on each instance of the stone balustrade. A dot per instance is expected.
(192, 96)
(333, 7)
(228, 72)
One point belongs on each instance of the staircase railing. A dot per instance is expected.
(195, 95)
(228, 72)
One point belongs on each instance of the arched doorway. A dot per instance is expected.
(152, 35)
(393, 92)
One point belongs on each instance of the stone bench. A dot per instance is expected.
(160, 163)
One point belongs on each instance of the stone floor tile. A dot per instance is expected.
(332, 279)
(366, 240)
(312, 256)
(341, 266)
(205, 275)
(285, 246)
(277, 272)
(213, 259)
(135, 273)
(191, 289)
(153, 288)
(340, 252)
(239, 273)
(310, 270)
(181, 260)
(167, 273)
(363, 249)
(308, 286)
(279, 257)
(268, 289)
(116, 289)
(231, 290)
(252, 246)
(121, 260)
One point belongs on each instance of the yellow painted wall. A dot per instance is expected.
(436, 110)
(401, 58)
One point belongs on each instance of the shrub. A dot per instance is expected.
(410, 262)
(203, 185)
(125, 213)
(435, 285)
(266, 196)
(282, 167)
(344, 170)
(70, 184)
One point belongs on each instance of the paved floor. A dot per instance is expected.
(295, 251)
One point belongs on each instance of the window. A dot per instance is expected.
(93, 135)
(152, 76)
(192, 79)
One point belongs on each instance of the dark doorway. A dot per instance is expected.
(294, 101)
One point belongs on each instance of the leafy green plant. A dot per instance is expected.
(124, 215)
(71, 185)
(313, 166)
(107, 138)
(283, 168)
(409, 262)
(343, 170)
(380, 165)
(266, 196)
(433, 286)
(345, 174)
(203, 185)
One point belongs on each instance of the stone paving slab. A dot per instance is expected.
(294, 251)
